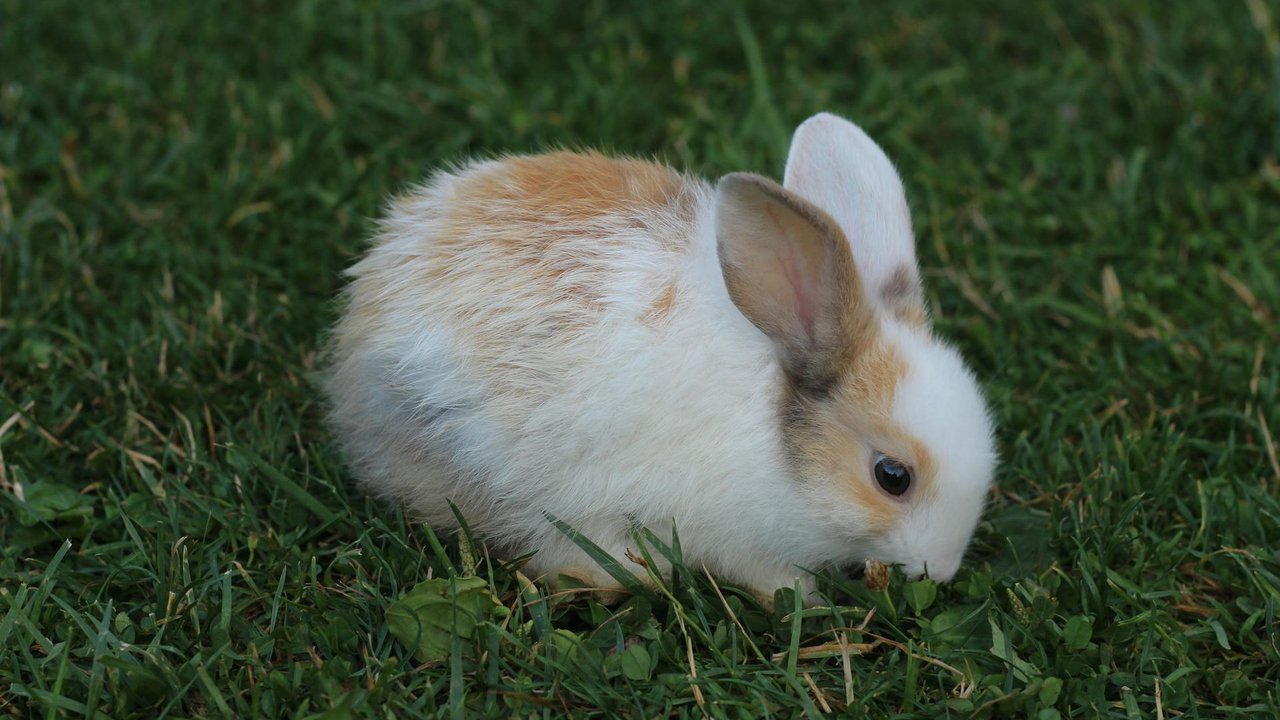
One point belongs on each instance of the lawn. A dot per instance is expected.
(1096, 191)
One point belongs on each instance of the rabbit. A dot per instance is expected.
(613, 343)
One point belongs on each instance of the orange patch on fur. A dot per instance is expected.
(861, 414)
(564, 188)
(545, 218)
(885, 511)
(871, 381)
(873, 387)
(925, 467)
(523, 254)
(882, 512)
(663, 305)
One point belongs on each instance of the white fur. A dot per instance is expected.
(940, 403)
(624, 420)
(836, 166)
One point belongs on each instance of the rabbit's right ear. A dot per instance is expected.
(837, 167)
(788, 268)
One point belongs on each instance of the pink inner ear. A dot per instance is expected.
(791, 264)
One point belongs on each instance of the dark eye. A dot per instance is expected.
(892, 475)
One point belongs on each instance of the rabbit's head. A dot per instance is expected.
(886, 430)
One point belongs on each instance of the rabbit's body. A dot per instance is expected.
(559, 335)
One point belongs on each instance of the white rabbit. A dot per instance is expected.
(609, 342)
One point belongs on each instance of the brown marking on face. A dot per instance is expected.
(869, 393)
(838, 436)
(924, 467)
(662, 306)
(866, 392)
(882, 512)
(871, 381)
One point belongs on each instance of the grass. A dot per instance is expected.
(1096, 188)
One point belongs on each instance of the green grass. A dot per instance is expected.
(1096, 188)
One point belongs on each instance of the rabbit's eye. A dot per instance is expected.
(892, 475)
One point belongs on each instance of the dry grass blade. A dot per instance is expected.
(1112, 298)
(1260, 312)
(826, 650)
(846, 666)
(817, 693)
(1269, 444)
(966, 685)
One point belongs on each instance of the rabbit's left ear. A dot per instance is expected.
(788, 269)
(837, 167)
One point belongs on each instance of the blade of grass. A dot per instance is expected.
(624, 577)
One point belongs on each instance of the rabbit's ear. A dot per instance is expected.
(788, 268)
(836, 166)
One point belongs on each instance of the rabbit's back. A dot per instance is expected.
(521, 262)
(551, 327)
